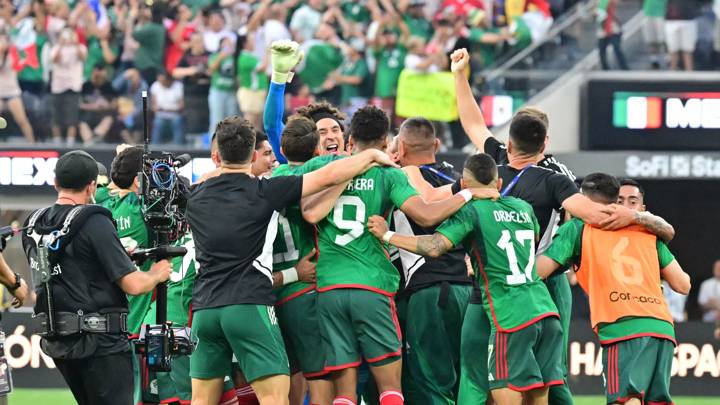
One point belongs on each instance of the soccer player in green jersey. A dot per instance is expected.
(355, 279)
(294, 274)
(121, 198)
(524, 357)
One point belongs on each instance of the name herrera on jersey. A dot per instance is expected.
(361, 185)
(512, 216)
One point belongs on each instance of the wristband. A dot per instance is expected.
(466, 194)
(282, 78)
(289, 276)
(387, 236)
(17, 284)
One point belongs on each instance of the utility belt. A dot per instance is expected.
(71, 323)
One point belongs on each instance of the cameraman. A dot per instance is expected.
(81, 277)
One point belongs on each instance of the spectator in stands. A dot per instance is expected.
(193, 71)
(716, 33)
(306, 20)
(676, 303)
(130, 86)
(98, 108)
(709, 296)
(654, 29)
(10, 90)
(322, 57)
(609, 33)
(221, 97)
(252, 83)
(180, 29)
(150, 36)
(102, 46)
(488, 38)
(354, 77)
(266, 26)
(681, 32)
(420, 60)
(413, 12)
(215, 31)
(389, 51)
(68, 57)
(167, 105)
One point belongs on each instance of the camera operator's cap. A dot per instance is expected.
(76, 169)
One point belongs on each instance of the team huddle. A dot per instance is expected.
(361, 269)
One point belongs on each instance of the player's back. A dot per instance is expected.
(349, 256)
(503, 252)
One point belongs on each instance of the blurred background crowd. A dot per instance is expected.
(73, 71)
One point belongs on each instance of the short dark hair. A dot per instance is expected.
(299, 139)
(528, 133)
(125, 166)
(419, 127)
(630, 182)
(260, 137)
(601, 187)
(235, 139)
(369, 125)
(320, 110)
(483, 168)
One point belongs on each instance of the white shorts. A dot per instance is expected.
(681, 35)
(654, 30)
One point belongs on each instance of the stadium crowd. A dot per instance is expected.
(84, 63)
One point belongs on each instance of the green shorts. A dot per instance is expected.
(249, 331)
(638, 368)
(527, 359)
(301, 330)
(176, 385)
(473, 356)
(357, 324)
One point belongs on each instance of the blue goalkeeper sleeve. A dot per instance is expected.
(273, 118)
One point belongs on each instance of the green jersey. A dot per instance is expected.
(321, 59)
(223, 78)
(500, 238)
(294, 240)
(151, 38)
(566, 248)
(180, 286)
(126, 212)
(248, 75)
(390, 62)
(357, 68)
(655, 8)
(349, 255)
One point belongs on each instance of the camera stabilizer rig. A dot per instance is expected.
(163, 197)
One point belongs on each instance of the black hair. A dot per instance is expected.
(528, 133)
(483, 167)
(299, 139)
(630, 182)
(601, 187)
(260, 137)
(369, 125)
(418, 126)
(235, 139)
(320, 110)
(125, 166)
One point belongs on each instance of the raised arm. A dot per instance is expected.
(343, 170)
(284, 56)
(317, 206)
(471, 116)
(676, 277)
(434, 245)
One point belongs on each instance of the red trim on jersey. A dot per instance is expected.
(554, 382)
(396, 322)
(532, 321)
(611, 370)
(658, 403)
(190, 315)
(638, 335)
(170, 400)
(317, 374)
(358, 287)
(384, 356)
(295, 295)
(342, 366)
(629, 397)
(527, 387)
(506, 371)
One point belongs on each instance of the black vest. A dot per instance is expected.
(418, 272)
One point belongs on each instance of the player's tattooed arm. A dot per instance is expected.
(428, 245)
(655, 224)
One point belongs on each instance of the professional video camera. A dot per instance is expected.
(163, 199)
